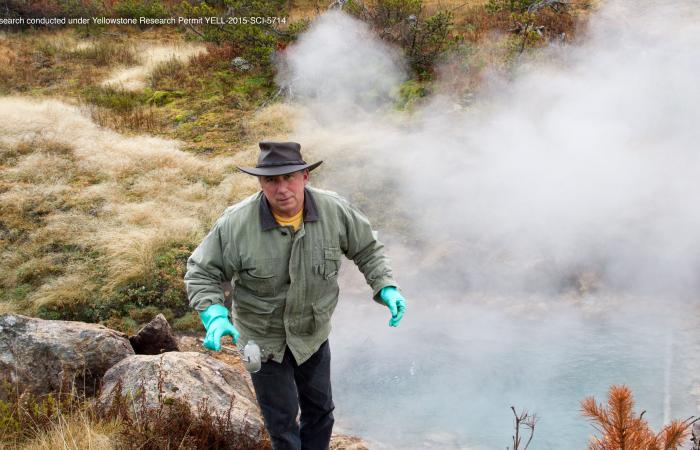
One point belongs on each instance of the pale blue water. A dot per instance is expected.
(454, 371)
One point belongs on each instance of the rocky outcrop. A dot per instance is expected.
(154, 338)
(42, 356)
(344, 442)
(194, 378)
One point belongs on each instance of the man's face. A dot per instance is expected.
(285, 193)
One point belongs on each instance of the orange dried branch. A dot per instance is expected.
(675, 433)
(620, 429)
(594, 411)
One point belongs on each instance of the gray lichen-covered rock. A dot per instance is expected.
(154, 338)
(195, 378)
(42, 356)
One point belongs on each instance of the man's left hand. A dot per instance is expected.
(393, 299)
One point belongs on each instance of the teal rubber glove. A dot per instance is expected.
(396, 303)
(215, 320)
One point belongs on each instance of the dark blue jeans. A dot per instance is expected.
(283, 388)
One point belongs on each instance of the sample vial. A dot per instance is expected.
(251, 357)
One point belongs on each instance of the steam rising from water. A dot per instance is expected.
(588, 162)
(553, 229)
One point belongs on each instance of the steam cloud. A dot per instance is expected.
(586, 163)
(527, 229)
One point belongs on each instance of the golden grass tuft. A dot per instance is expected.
(278, 119)
(8, 308)
(74, 289)
(8, 57)
(164, 59)
(78, 431)
(104, 52)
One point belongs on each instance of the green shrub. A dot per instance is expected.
(163, 293)
(410, 92)
(51, 8)
(152, 9)
(188, 322)
(117, 100)
(404, 23)
(509, 5)
(80, 311)
(255, 42)
(161, 98)
(146, 314)
(124, 324)
(137, 302)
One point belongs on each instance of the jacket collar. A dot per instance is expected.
(268, 222)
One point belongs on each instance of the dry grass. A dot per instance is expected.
(163, 59)
(214, 55)
(278, 119)
(58, 61)
(91, 204)
(105, 52)
(88, 212)
(140, 119)
(72, 421)
(78, 432)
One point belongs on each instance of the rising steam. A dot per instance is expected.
(527, 229)
(587, 163)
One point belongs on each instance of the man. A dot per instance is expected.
(282, 248)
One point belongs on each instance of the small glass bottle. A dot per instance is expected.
(251, 357)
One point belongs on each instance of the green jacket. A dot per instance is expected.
(285, 284)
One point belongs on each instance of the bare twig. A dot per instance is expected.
(527, 421)
(695, 434)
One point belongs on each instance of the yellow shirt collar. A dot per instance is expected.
(294, 221)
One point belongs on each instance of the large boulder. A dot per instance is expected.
(149, 381)
(154, 338)
(43, 356)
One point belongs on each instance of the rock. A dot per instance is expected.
(233, 359)
(240, 64)
(154, 338)
(195, 378)
(695, 436)
(344, 442)
(43, 356)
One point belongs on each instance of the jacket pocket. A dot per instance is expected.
(258, 281)
(254, 315)
(331, 262)
(321, 318)
(306, 325)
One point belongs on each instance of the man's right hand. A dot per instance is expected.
(215, 320)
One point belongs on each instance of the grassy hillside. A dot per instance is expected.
(118, 145)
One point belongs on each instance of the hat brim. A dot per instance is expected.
(278, 170)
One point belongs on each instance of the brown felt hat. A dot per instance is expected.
(279, 158)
